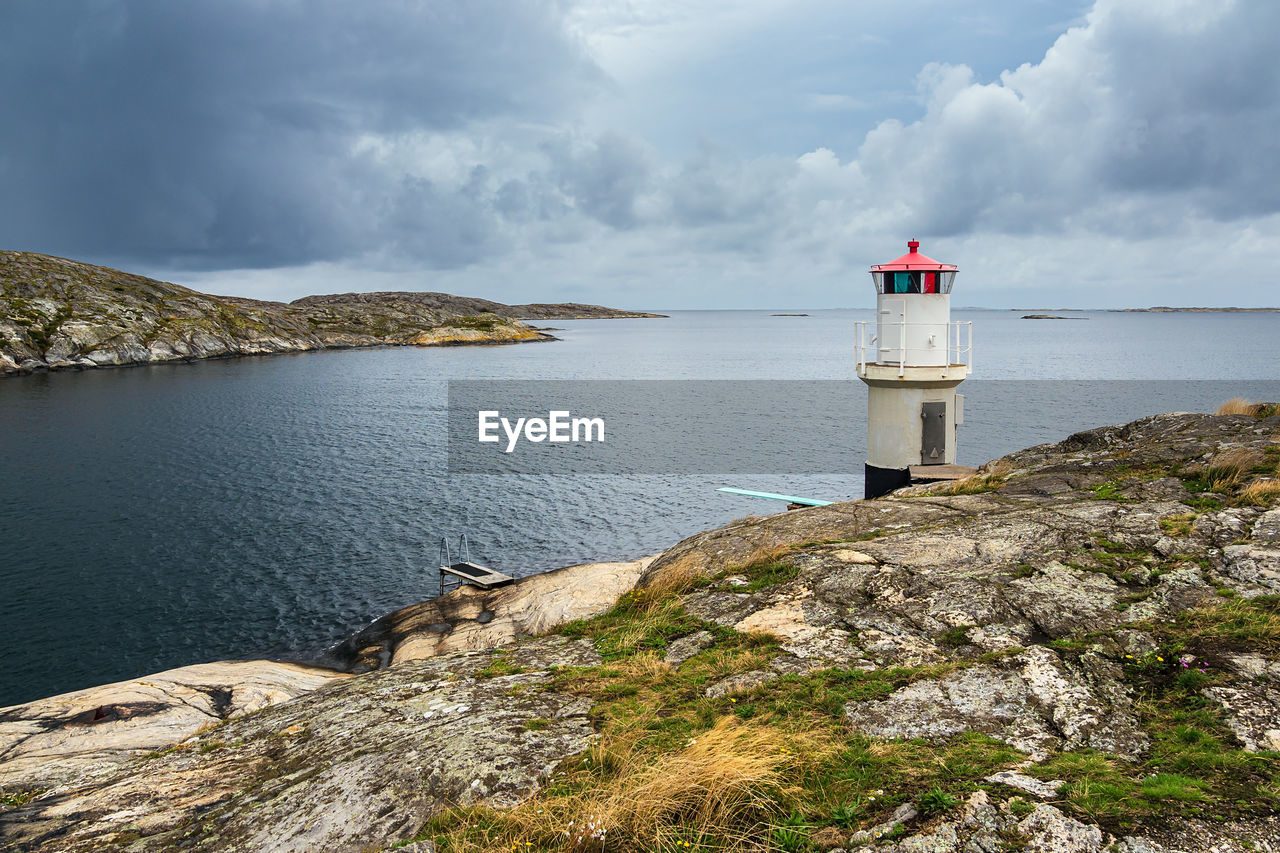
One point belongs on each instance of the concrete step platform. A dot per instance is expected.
(938, 473)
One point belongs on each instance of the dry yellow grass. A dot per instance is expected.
(767, 553)
(734, 661)
(1241, 406)
(646, 666)
(675, 578)
(648, 614)
(1238, 621)
(721, 784)
(1237, 406)
(1260, 492)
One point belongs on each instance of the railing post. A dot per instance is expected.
(902, 345)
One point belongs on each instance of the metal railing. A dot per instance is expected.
(959, 346)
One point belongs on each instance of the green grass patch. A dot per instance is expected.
(766, 574)
(500, 666)
(955, 637)
(15, 799)
(639, 622)
(1109, 491)
(1236, 624)
(937, 801)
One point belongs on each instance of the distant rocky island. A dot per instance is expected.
(568, 311)
(1165, 309)
(1049, 317)
(58, 314)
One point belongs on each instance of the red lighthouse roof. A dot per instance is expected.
(913, 260)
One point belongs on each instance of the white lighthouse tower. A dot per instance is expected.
(912, 358)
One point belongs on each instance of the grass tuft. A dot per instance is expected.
(676, 577)
(1233, 475)
(1263, 493)
(1236, 406)
(989, 480)
(936, 801)
(1241, 406)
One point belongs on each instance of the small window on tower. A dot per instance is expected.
(902, 282)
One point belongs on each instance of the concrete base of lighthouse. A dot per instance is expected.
(912, 414)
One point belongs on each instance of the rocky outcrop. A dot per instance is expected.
(1093, 622)
(472, 618)
(80, 735)
(364, 761)
(58, 314)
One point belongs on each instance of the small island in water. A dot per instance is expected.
(59, 314)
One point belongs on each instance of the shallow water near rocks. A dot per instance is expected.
(159, 516)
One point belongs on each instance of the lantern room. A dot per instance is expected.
(913, 273)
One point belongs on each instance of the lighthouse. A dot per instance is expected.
(912, 357)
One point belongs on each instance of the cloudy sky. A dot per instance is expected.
(651, 153)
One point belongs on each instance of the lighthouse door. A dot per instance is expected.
(892, 331)
(933, 436)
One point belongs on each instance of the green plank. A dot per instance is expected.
(771, 496)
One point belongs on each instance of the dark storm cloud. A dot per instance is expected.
(221, 133)
(1202, 100)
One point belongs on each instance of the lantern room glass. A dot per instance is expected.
(914, 281)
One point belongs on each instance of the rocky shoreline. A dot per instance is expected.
(57, 314)
(1075, 651)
